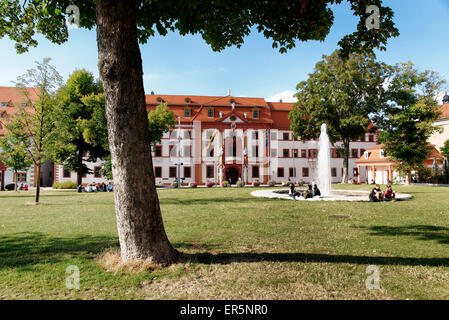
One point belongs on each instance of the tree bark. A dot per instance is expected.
(139, 221)
(344, 178)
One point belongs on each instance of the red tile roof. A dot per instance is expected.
(374, 155)
(444, 109)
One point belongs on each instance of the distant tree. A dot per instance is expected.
(342, 93)
(445, 149)
(70, 117)
(121, 25)
(14, 155)
(160, 121)
(32, 125)
(409, 114)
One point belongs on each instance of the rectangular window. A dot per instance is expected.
(187, 134)
(286, 153)
(292, 172)
(158, 151)
(187, 151)
(97, 172)
(209, 171)
(280, 172)
(187, 112)
(274, 153)
(303, 153)
(255, 171)
(172, 151)
(158, 172)
(256, 114)
(172, 172)
(210, 113)
(255, 135)
(286, 136)
(187, 172)
(305, 172)
(371, 138)
(256, 151)
(273, 136)
(21, 177)
(334, 172)
(354, 153)
(312, 153)
(66, 173)
(295, 153)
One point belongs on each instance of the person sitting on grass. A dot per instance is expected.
(389, 195)
(307, 194)
(291, 191)
(316, 191)
(376, 194)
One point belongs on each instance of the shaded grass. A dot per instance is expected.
(233, 245)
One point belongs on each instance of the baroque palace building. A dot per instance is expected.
(217, 138)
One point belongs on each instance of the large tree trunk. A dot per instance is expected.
(345, 177)
(139, 221)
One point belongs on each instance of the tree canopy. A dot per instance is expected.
(342, 93)
(409, 114)
(70, 117)
(221, 23)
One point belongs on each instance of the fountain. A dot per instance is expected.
(323, 176)
(323, 179)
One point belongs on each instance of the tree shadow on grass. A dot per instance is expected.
(420, 232)
(228, 258)
(29, 248)
(22, 250)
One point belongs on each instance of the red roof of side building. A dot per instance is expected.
(13, 98)
(374, 155)
(444, 109)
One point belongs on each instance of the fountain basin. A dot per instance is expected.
(337, 195)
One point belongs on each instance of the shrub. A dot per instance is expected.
(240, 184)
(271, 183)
(64, 185)
(192, 185)
(256, 183)
(210, 184)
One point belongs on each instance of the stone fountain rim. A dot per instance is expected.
(355, 195)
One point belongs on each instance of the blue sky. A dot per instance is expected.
(186, 65)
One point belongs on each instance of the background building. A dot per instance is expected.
(438, 139)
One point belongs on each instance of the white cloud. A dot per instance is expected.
(285, 96)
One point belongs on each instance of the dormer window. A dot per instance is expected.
(255, 114)
(187, 100)
(187, 112)
(366, 154)
(231, 101)
(4, 104)
(210, 113)
(160, 100)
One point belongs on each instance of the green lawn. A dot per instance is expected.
(234, 246)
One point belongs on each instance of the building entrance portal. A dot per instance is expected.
(232, 175)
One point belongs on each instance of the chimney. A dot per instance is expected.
(152, 92)
(280, 100)
(229, 92)
(445, 99)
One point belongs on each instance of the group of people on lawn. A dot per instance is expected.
(378, 195)
(309, 193)
(99, 187)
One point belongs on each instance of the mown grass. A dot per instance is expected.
(234, 246)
